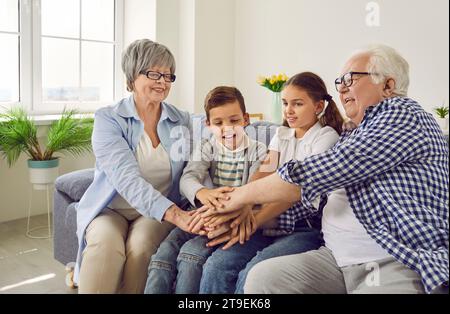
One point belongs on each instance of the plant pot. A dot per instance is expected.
(443, 124)
(43, 172)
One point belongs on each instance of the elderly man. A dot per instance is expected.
(385, 224)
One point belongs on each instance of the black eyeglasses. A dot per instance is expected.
(169, 78)
(347, 79)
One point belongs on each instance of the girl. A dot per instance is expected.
(312, 124)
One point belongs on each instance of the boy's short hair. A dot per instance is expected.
(222, 95)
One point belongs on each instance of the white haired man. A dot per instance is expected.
(385, 224)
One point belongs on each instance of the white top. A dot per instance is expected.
(345, 236)
(154, 164)
(315, 141)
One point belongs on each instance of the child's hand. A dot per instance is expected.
(220, 230)
(247, 227)
(197, 224)
(244, 230)
(221, 238)
(239, 219)
(219, 219)
(211, 198)
(239, 233)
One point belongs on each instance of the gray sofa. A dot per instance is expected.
(70, 187)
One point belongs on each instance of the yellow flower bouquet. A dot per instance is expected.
(274, 82)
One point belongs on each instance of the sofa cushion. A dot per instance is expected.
(75, 183)
(262, 131)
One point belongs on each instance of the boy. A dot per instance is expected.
(224, 161)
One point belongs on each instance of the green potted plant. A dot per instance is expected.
(18, 134)
(442, 117)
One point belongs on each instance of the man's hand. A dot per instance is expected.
(213, 198)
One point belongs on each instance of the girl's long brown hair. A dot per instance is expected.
(315, 87)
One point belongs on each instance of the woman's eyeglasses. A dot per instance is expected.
(169, 78)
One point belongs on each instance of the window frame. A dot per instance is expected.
(24, 34)
(30, 63)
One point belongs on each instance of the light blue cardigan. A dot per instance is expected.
(117, 131)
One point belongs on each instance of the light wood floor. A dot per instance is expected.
(27, 265)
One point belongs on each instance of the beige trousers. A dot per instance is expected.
(119, 246)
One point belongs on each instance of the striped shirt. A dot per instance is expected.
(230, 165)
(394, 168)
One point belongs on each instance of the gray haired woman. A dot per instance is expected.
(134, 199)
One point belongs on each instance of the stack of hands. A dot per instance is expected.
(219, 226)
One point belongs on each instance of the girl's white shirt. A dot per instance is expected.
(316, 140)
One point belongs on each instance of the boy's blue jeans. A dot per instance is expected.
(225, 271)
(177, 265)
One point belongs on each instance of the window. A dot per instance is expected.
(9, 51)
(60, 53)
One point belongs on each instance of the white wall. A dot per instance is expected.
(139, 21)
(292, 36)
(214, 46)
(200, 34)
(167, 33)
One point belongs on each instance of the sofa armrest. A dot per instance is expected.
(75, 183)
(65, 242)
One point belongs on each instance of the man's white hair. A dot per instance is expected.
(387, 63)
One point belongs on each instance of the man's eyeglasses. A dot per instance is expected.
(169, 78)
(347, 79)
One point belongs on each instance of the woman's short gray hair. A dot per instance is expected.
(388, 63)
(143, 54)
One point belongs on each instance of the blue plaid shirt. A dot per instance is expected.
(394, 168)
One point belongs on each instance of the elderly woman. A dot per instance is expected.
(385, 225)
(134, 199)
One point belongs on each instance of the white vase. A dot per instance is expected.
(42, 172)
(443, 124)
(276, 108)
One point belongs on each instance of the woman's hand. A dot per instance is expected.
(178, 217)
(213, 198)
